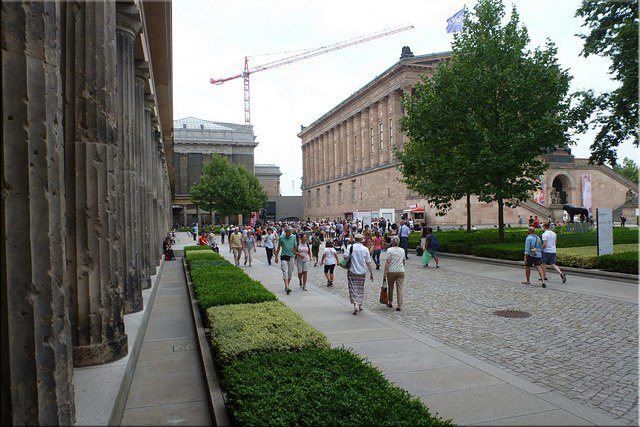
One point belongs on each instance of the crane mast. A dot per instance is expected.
(299, 57)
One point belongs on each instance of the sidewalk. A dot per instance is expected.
(450, 382)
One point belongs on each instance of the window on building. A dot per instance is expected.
(381, 136)
(328, 195)
(371, 152)
(391, 134)
(309, 199)
(353, 190)
(340, 201)
(318, 197)
(355, 148)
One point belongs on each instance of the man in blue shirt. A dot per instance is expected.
(403, 233)
(533, 256)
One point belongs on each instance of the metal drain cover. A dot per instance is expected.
(513, 314)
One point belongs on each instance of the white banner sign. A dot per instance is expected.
(604, 217)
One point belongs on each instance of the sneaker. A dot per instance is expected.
(287, 290)
(437, 266)
(564, 277)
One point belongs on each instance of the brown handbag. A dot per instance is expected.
(384, 297)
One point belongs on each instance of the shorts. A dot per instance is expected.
(531, 261)
(549, 258)
(302, 266)
(329, 268)
(287, 269)
(433, 252)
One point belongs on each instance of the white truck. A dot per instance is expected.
(388, 214)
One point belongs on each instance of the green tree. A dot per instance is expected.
(489, 114)
(628, 169)
(613, 33)
(227, 188)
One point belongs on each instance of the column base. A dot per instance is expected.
(90, 355)
(133, 306)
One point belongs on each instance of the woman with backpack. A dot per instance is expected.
(432, 245)
(303, 259)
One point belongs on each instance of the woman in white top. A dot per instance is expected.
(329, 259)
(269, 238)
(357, 273)
(303, 259)
(394, 271)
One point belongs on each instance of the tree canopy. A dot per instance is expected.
(613, 33)
(628, 169)
(483, 121)
(228, 189)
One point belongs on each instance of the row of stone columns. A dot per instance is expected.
(347, 147)
(86, 197)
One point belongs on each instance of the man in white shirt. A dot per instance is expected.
(549, 252)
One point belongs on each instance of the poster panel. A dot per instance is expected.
(604, 216)
(586, 192)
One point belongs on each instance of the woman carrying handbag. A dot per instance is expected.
(394, 271)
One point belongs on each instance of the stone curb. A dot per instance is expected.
(215, 397)
(633, 278)
(123, 392)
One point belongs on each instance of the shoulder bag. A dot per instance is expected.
(346, 263)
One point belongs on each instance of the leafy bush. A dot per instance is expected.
(205, 263)
(317, 386)
(577, 261)
(188, 249)
(246, 329)
(511, 251)
(625, 262)
(194, 255)
(226, 284)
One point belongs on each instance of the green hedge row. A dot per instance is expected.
(216, 229)
(624, 262)
(318, 387)
(247, 329)
(278, 370)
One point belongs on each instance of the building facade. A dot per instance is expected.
(195, 141)
(86, 183)
(349, 165)
(269, 177)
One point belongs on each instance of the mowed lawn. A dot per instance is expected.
(593, 250)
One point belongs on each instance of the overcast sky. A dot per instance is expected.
(211, 39)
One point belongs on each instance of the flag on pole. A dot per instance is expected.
(455, 23)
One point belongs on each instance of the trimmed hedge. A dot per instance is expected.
(624, 262)
(188, 249)
(319, 387)
(196, 255)
(247, 329)
(226, 284)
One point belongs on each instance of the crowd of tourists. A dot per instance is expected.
(296, 246)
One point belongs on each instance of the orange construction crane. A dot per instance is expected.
(299, 57)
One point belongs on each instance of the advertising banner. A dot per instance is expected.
(604, 218)
(586, 192)
(538, 195)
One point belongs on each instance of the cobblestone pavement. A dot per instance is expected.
(583, 346)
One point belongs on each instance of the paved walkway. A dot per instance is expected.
(168, 386)
(574, 362)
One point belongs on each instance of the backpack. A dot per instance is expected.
(434, 243)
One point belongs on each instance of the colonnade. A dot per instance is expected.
(86, 196)
(362, 141)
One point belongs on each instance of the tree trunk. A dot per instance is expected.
(500, 220)
(468, 212)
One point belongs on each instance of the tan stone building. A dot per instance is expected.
(269, 177)
(349, 164)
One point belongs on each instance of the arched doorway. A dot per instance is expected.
(561, 186)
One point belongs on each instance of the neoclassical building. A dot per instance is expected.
(349, 164)
(86, 189)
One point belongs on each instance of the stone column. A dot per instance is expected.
(395, 122)
(305, 164)
(366, 138)
(36, 347)
(96, 301)
(128, 26)
(357, 134)
(349, 146)
(316, 160)
(321, 157)
(374, 129)
(385, 125)
(331, 134)
(142, 214)
(343, 148)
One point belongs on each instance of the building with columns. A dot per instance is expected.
(269, 177)
(349, 164)
(87, 173)
(195, 141)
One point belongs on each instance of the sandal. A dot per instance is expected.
(544, 286)
(390, 305)
(355, 312)
(526, 283)
(360, 308)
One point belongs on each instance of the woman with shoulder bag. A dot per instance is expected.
(357, 273)
(303, 259)
(394, 271)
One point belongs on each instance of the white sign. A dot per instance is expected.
(604, 217)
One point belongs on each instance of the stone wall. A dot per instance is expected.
(86, 194)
